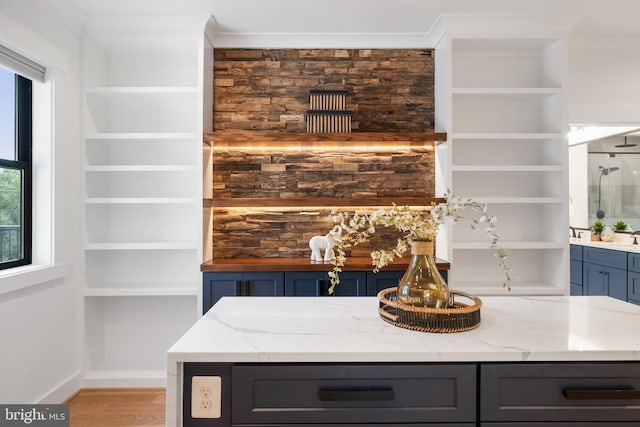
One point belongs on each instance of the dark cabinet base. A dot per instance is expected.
(216, 285)
(421, 394)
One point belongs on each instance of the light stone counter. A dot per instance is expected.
(348, 329)
(623, 245)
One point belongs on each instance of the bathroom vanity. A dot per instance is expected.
(273, 361)
(602, 268)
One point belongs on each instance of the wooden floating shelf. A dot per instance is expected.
(302, 264)
(324, 202)
(340, 140)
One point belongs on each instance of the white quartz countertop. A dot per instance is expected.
(623, 245)
(349, 329)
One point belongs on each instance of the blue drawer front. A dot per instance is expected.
(576, 272)
(634, 262)
(575, 252)
(633, 287)
(607, 257)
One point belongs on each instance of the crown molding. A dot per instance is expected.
(322, 40)
(605, 42)
(500, 26)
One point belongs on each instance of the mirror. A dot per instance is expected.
(604, 176)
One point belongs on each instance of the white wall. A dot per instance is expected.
(604, 81)
(40, 322)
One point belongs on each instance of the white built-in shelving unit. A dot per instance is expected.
(500, 96)
(143, 125)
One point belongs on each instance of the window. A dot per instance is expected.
(15, 170)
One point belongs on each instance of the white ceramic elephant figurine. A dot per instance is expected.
(326, 243)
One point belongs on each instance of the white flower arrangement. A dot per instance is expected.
(413, 225)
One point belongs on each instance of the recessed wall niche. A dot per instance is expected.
(390, 90)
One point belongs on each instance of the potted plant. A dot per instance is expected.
(414, 226)
(620, 226)
(596, 230)
(622, 232)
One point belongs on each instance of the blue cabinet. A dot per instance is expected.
(604, 272)
(382, 280)
(316, 283)
(295, 283)
(576, 270)
(218, 285)
(601, 280)
(633, 278)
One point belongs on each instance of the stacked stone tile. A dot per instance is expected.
(327, 113)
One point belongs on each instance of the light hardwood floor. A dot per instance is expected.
(118, 407)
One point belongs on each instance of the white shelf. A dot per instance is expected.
(141, 112)
(524, 136)
(139, 292)
(508, 113)
(132, 334)
(508, 91)
(142, 269)
(504, 108)
(509, 184)
(140, 168)
(143, 153)
(509, 245)
(141, 183)
(521, 200)
(503, 168)
(127, 90)
(116, 60)
(134, 246)
(142, 203)
(142, 136)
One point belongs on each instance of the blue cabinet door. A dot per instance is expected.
(316, 283)
(575, 252)
(382, 280)
(264, 284)
(576, 277)
(633, 287)
(218, 285)
(633, 262)
(600, 280)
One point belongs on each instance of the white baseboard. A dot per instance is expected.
(64, 390)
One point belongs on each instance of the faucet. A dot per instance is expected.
(573, 231)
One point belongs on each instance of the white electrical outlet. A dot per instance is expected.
(206, 397)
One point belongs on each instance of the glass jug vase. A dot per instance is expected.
(422, 285)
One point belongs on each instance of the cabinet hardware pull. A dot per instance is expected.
(601, 394)
(353, 395)
(243, 288)
(324, 288)
(246, 288)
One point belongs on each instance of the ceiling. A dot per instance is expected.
(613, 18)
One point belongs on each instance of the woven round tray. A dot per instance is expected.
(460, 316)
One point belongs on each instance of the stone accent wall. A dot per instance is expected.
(312, 174)
(390, 90)
(280, 233)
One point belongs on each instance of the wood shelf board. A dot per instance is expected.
(308, 140)
(323, 202)
(301, 264)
